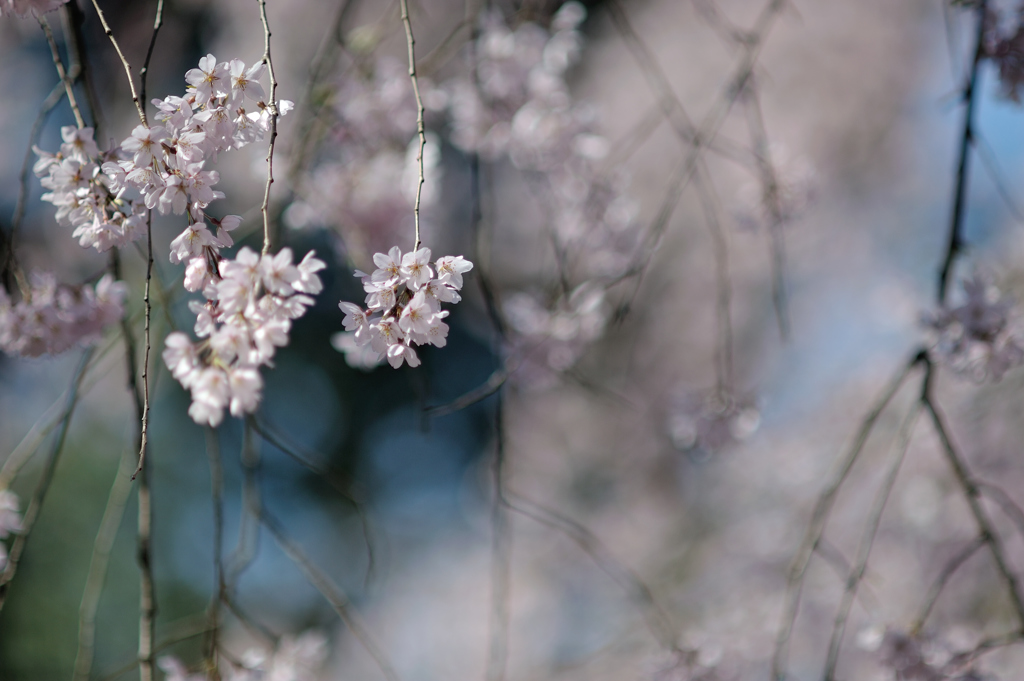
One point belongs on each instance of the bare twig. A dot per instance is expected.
(972, 495)
(723, 286)
(410, 43)
(331, 593)
(657, 619)
(819, 517)
(144, 417)
(158, 21)
(124, 62)
(867, 542)
(69, 88)
(113, 513)
(274, 113)
(501, 556)
(970, 95)
(489, 387)
(43, 485)
(772, 200)
(940, 583)
(219, 586)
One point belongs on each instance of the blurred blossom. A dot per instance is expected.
(53, 317)
(977, 338)
(293, 659)
(703, 426)
(10, 521)
(25, 7)
(924, 658)
(795, 185)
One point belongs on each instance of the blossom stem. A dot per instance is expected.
(59, 64)
(410, 42)
(265, 208)
(970, 95)
(124, 62)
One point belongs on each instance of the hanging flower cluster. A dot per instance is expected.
(25, 7)
(53, 317)
(403, 290)
(251, 302)
(10, 521)
(976, 338)
(86, 197)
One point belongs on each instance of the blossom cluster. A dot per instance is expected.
(51, 317)
(510, 107)
(10, 521)
(25, 7)
(293, 659)
(407, 296)
(977, 337)
(250, 305)
(165, 164)
(86, 196)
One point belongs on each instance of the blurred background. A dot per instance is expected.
(680, 361)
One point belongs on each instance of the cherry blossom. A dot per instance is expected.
(250, 305)
(978, 337)
(52, 317)
(404, 293)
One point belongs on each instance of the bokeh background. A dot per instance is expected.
(860, 105)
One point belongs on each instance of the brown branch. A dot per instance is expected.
(972, 495)
(940, 583)
(274, 113)
(43, 485)
(410, 43)
(867, 542)
(331, 593)
(820, 515)
(124, 62)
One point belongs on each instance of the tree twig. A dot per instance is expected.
(113, 514)
(820, 515)
(43, 485)
(410, 43)
(274, 113)
(868, 541)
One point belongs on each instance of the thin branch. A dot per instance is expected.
(113, 514)
(124, 62)
(478, 394)
(988, 159)
(868, 541)
(265, 208)
(43, 485)
(972, 494)
(1005, 501)
(331, 593)
(948, 570)
(410, 43)
(343, 487)
(501, 556)
(723, 286)
(158, 21)
(820, 515)
(970, 95)
(144, 419)
(772, 199)
(219, 585)
(658, 621)
(72, 21)
(69, 88)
